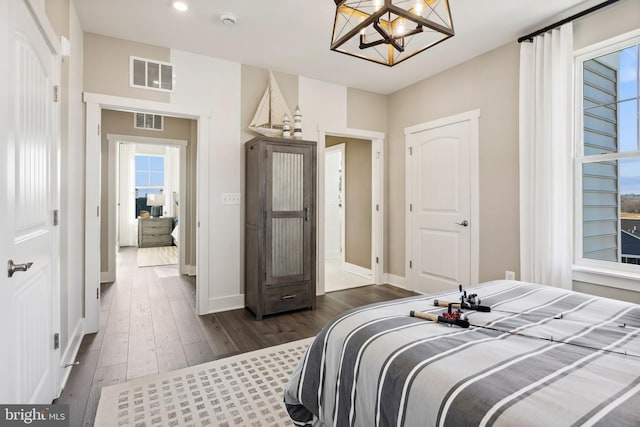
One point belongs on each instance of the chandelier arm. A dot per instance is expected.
(417, 30)
(387, 38)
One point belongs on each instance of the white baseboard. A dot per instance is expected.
(70, 353)
(230, 302)
(107, 277)
(191, 270)
(394, 280)
(356, 269)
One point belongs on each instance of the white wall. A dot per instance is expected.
(209, 84)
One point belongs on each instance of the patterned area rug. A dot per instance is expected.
(243, 390)
(162, 255)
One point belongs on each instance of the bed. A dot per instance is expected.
(543, 356)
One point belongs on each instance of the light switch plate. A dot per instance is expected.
(230, 198)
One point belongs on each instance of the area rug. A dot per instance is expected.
(162, 255)
(243, 390)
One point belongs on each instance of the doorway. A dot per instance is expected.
(148, 209)
(359, 227)
(442, 194)
(151, 172)
(348, 214)
(95, 104)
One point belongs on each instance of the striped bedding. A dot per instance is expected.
(542, 357)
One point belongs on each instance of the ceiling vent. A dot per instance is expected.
(150, 74)
(148, 121)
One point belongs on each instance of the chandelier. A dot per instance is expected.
(389, 31)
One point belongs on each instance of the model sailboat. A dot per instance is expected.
(271, 110)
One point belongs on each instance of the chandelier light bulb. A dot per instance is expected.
(418, 7)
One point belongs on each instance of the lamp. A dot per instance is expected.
(156, 201)
(389, 31)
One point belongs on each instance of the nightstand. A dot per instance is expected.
(155, 232)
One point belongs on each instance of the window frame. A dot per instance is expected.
(160, 187)
(607, 273)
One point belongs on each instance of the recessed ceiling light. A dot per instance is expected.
(182, 6)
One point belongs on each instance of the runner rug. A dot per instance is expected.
(243, 390)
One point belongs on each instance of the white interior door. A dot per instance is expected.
(440, 220)
(334, 202)
(29, 194)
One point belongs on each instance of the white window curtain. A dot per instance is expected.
(171, 180)
(546, 147)
(128, 222)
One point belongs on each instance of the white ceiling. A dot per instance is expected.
(293, 36)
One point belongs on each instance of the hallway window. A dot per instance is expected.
(149, 180)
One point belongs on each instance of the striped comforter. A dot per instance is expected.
(543, 356)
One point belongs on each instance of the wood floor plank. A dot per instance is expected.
(104, 377)
(141, 358)
(169, 351)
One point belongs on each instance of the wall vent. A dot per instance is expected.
(150, 74)
(148, 121)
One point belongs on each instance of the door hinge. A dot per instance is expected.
(56, 217)
(98, 129)
(411, 151)
(377, 208)
(377, 155)
(56, 93)
(56, 341)
(377, 260)
(410, 207)
(97, 293)
(410, 264)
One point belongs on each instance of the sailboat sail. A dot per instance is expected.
(271, 110)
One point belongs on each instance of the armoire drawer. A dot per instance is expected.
(285, 298)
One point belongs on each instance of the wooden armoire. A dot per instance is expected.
(280, 225)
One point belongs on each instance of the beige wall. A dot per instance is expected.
(357, 199)
(121, 123)
(488, 83)
(106, 66)
(254, 81)
(367, 110)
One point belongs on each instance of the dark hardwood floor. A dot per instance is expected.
(148, 325)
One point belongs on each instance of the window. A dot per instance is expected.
(608, 166)
(149, 180)
(150, 74)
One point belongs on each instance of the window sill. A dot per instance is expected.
(607, 277)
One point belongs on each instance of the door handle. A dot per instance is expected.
(306, 214)
(12, 268)
(464, 223)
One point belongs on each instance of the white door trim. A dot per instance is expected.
(94, 105)
(377, 199)
(113, 140)
(473, 117)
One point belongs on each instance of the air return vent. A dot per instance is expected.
(148, 121)
(150, 74)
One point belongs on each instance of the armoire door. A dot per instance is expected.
(289, 213)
